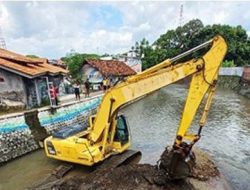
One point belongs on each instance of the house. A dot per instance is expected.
(58, 63)
(132, 60)
(26, 79)
(97, 70)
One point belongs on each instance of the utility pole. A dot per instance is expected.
(2, 41)
(97, 49)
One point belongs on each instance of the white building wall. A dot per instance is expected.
(133, 62)
(12, 86)
(231, 71)
(92, 74)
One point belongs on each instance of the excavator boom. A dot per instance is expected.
(204, 71)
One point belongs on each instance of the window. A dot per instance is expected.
(1, 79)
(122, 134)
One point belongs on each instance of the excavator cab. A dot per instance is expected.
(122, 131)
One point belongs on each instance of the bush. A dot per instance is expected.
(227, 63)
(45, 102)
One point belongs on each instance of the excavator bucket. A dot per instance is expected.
(177, 164)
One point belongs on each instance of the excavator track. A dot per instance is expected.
(127, 157)
(56, 178)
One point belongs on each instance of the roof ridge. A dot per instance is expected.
(9, 55)
(26, 66)
(111, 67)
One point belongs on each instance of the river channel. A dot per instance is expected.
(153, 122)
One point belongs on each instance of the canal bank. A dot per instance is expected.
(21, 133)
(236, 79)
(236, 84)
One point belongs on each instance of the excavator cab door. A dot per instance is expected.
(122, 132)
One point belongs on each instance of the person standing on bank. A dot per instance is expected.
(53, 95)
(56, 94)
(77, 90)
(105, 84)
(87, 87)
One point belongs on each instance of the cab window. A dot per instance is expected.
(121, 134)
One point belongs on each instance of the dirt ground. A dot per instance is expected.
(142, 177)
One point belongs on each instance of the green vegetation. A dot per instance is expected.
(45, 102)
(174, 42)
(228, 63)
(32, 56)
(75, 62)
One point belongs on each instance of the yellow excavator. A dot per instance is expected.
(108, 133)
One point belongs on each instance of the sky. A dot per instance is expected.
(52, 29)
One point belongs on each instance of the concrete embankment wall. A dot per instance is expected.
(20, 133)
(231, 71)
(236, 79)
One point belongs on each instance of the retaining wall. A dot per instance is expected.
(236, 84)
(230, 82)
(231, 71)
(235, 78)
(19, 133)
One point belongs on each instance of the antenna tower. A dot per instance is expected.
(2, 41)
(181, 15)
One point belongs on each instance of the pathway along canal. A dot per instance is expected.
(153, 122)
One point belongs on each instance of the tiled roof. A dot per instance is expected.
(28, 67)
(11, 56)
(111, 67)
(60, 62)
(57, 63)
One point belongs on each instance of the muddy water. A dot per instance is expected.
(154, 120)
(153, 123)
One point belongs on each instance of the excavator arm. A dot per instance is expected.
(202, 83)
(204, 72)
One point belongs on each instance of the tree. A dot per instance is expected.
(237, 40)
(194, 33)
(139, 47)
(172, 43)
(75, 62)
(179, 38)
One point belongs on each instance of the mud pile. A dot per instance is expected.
(141, 176)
